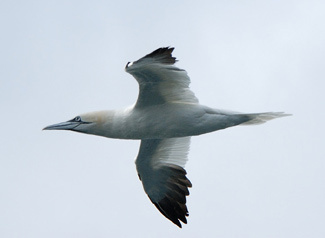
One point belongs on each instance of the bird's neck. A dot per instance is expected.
(111, 124)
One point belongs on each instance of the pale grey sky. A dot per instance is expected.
(62, 58)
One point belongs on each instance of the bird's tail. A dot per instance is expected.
(259, 118)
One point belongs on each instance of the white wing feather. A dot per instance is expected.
(159, 80)
(160, 165)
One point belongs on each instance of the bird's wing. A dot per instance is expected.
(160, 165)
(159, 80)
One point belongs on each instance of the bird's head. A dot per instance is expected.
(89, 123)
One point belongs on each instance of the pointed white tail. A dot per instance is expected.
(259, 118)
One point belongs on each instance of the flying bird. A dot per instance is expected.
(164, 117)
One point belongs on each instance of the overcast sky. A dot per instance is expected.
(62, 58)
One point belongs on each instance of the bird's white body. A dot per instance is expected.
(165, 121)
(157, 122)
(164, 118)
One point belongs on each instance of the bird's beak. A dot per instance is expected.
(69, 125)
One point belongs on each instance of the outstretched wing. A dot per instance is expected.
(159, 80)
(160, 165)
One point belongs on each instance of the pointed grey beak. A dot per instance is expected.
(69, 125)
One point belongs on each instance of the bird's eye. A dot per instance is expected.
(77, 119)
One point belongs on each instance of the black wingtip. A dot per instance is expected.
(173, 204)
(164, 207)
(162, 55)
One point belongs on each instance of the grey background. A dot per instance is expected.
(62, 58)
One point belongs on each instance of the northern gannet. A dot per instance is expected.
(164, 117)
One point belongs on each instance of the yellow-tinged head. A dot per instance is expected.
(95, 123)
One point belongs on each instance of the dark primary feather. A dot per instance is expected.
(173, 204)
(162, 55)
